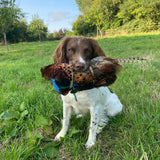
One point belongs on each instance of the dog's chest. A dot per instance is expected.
(86, 99)
(82, 105)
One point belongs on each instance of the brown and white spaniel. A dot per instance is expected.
(100, 103)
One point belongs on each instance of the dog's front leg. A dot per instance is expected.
(67, 112)
(93, 127)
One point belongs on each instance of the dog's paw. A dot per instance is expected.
(79, 116)
(58, 137)
(89, 144)
(99, 130)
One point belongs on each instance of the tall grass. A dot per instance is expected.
(134, 134)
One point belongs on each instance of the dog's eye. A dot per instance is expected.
(70, 50)
(86, 50)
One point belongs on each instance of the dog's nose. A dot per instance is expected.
(79, 66)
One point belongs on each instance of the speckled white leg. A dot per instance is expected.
(67, 112)
(93, 127)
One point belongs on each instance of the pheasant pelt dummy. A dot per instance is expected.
(101, 72)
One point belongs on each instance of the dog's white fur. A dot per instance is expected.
(100, 103)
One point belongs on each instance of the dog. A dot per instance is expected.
(99, 102)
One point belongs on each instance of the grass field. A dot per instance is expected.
(31, 111)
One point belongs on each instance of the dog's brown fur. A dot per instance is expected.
(71, 48)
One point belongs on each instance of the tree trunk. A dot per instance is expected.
(101, 33)
(5, 38)
(39, 37)
(97, 31)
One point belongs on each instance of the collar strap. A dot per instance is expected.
(91, 69)
(71, 83)
(72, 87)
(92, 73)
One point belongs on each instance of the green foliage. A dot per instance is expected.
(81, 27)
(102, 13)
(15, 29)
(8, 14)
(60, 34)
(99, 13)
(37, 27)
(41, 121)
(84, 5)
(132, 15)
(141, 16)
(51, 149)
(11, 120)
(69, 33)
(18, 32)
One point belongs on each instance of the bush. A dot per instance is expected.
(140, 26)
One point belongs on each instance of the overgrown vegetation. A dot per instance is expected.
(128, 15)
(31, 111)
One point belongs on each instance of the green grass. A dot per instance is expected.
(33, 110)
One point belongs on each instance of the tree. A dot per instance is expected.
(84, 5)
(60, 34)
(97, 16)
(8, 13)
(81, 27)
(37, 27)
(100, 13)
(18, 32)
(140, 15)
(132, 15)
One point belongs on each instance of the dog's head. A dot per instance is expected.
(77, 51)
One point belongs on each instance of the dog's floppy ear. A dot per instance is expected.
(60, 52)
(97, 50)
